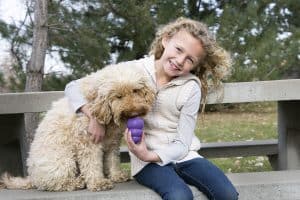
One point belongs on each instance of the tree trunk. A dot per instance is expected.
(35, 72)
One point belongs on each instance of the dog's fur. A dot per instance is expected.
(63, 157)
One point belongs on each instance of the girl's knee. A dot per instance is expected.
(179, 194)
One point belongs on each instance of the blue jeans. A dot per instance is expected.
(170, 181)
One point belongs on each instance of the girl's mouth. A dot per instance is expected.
(173, 66)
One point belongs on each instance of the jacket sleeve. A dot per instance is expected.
(74, 95)
(182, 143)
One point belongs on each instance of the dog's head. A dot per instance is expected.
(124, 95)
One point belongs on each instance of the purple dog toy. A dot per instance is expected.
(136, 126)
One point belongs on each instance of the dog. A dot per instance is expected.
(62, 156)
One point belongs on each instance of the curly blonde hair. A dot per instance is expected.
(214, 66)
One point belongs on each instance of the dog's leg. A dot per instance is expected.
(90, 159)
(112, 166)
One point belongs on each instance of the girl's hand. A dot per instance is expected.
(140, 150)
(96, 130)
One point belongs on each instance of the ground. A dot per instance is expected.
(242, 122)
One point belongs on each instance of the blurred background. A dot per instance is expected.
(85, 35)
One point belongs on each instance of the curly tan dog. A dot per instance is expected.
(62, 156)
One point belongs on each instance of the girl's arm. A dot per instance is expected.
(74, 95)
(141, 151)
(78, 104)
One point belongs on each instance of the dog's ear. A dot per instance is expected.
(100, 108)
(89, 89)
(90, 84)
(91, 94)
(149, 92)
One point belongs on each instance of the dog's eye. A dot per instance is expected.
(119, 96)
(135, 90)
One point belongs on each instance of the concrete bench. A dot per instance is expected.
(276, 185)
(284, 153)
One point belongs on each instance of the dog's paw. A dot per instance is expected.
(100, 185)
(79, 183)
(2, 185)
(120, 177)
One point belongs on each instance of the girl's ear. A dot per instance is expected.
(165, 41)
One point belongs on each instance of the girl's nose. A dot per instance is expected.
(180, 60)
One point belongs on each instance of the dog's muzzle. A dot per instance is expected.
(138, 111)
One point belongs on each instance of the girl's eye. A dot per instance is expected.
(191, 60)
(178, 49)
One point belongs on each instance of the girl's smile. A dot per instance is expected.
(173, 66)
(181, 53)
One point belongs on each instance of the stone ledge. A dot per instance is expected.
(275, 185)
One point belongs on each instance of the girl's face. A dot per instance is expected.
(181, 53)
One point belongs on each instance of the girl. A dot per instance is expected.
(166, 160)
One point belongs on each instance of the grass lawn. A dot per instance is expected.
(251, 121)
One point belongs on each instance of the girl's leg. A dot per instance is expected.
(208, 178)
(165, 181)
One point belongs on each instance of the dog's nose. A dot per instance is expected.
(139, 110)
(134, 114)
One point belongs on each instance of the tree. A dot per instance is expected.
(35, 70)
(263, 36)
